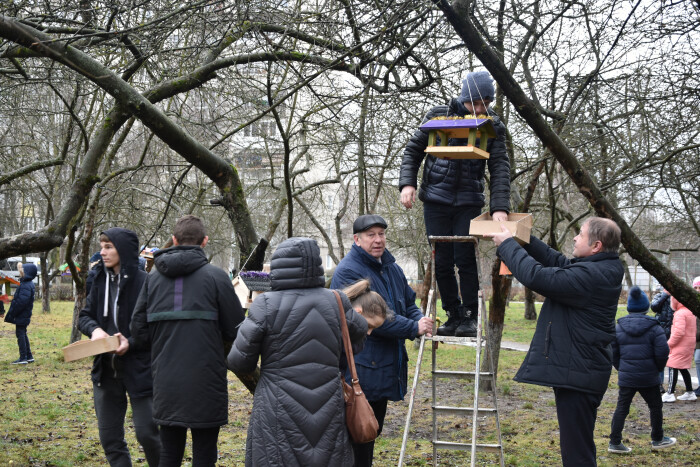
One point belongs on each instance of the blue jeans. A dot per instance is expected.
(25, 352)
(652, 397)
(443, 220)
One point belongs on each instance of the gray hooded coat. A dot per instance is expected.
(298, 415)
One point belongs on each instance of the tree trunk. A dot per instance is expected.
(78, 305)
(496, 316)
(530, 310)
(45, 283)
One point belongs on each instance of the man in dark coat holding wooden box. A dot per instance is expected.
(571, 350)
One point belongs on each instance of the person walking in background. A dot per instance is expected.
(298, 416)
(187, 314)
(382, 366)
(20, 312)
(108, 312)
(682, 345)
(452, 192)
(639, 352)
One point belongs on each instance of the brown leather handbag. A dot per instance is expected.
(359, 416)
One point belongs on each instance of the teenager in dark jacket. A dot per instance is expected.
(571, 350)
(382, 366)
(188, 314)
(20, 312)
(108, 312)
(639, 352)
(452, 192)
(298, 416)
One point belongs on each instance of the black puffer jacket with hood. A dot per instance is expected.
(298, 416)
(458, 182)
(135, 365)
(188, 314)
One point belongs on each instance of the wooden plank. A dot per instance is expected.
(457, 152)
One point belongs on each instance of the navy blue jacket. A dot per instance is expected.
(135, 365)
(640, 351)
(382, 366)
(458, 182)
(572, 344)
(20, 311)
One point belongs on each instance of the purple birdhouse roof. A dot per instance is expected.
(444, 124)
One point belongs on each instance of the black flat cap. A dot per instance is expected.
(363, 223)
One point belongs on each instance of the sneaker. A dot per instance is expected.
(697, 391)
(619, 448)
(30, 360)
(668, 398)
(664, 443)
(20, 361)
(688, 396)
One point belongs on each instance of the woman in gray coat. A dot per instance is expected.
(298, 415)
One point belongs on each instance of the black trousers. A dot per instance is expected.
(110, 407)
(652, 397)
(364, 453)
(204, 450)
(576, 412)
(25, 352)
(673, 372)
(450, 220)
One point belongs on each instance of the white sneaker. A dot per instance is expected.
(668, 397)
(688, 396)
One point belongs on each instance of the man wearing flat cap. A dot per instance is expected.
(382, 364)
(452, 192)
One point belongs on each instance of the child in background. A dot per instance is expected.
(639, 352)
(682, 345)
(20, 312)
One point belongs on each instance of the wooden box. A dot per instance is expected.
(468, 128)
(520, 225)
(82, 349)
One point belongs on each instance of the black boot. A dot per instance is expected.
(467, 326)
(454, 319)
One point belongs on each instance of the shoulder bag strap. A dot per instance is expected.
(346, 338)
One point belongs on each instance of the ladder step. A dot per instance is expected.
(461, 374)
(442, 409)
(467, 446)
(455, 340)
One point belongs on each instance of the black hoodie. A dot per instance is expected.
(134, 366)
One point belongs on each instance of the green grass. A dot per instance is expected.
(48, 417)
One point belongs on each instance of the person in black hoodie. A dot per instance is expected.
(639, 352)
(188, 314)
(20, 312)
(114, 375)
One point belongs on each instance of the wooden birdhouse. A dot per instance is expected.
(469, 128)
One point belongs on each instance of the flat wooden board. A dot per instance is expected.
(457, 152)
(82, 349)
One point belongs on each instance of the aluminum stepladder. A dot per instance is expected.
(476, 410)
